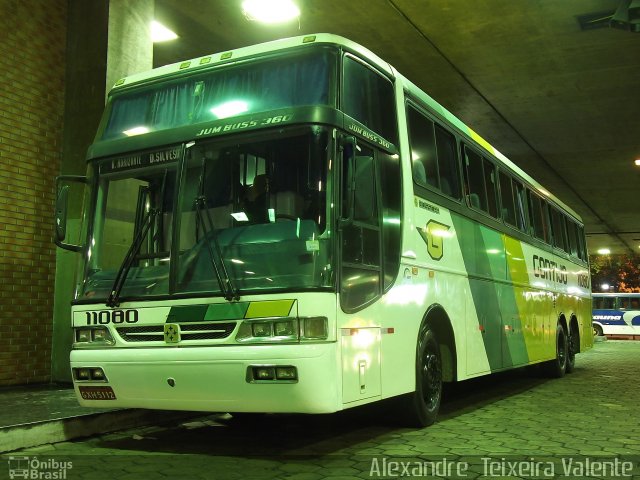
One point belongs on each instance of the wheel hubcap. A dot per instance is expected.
(431, 379)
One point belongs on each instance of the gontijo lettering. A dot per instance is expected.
(549, 270)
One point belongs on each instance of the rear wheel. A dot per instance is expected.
(597, 331)
(573, 342)
(421, 407)
(557, 368)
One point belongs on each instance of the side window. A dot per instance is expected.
(490, 184)
(558, 224)
(521, 206)
(507, 199)
(368, 97)
(572, 234)
(539, 213)
(623, 303)
(582, 247)
(433, 154)
(447, 163)
(474, 180)
(423, 149)
(604, 303)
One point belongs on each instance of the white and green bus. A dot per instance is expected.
(296, 227)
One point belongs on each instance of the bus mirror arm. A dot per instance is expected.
(62, 200)
(348, 148)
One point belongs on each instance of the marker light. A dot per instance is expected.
(270, 11)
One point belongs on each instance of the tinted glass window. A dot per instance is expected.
(508, 199)
(447, 163)
(368, 97)
(476, 195)
(559, 231)
(604, 303)
(572, 233)
(423, 149)
(391, 204)
(490, 183)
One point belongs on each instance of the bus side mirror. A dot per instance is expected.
(63, 185)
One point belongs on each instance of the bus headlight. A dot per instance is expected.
(313, 328)
(92, 336)
(276, 330)
(283, 330)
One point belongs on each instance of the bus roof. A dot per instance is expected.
(231, 56)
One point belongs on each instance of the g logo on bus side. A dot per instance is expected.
(433, 235)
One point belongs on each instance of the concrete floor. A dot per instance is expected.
(512, 425)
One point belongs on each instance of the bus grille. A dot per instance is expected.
(189, 331)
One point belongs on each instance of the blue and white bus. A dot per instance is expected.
(616, 314)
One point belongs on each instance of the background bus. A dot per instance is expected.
(616, 314)
(296, 227)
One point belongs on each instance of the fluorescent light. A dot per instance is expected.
(604, 251)
(136, 131)
(637, 162)
(270, 11)
(229, 109)
(160, 33)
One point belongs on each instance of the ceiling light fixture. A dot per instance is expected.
(637, 162)
(160, 33)
(270, 11)
(604, 251)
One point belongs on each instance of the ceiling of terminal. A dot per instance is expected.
(560, 101)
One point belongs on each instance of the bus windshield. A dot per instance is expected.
(252, 214)
(249, 87)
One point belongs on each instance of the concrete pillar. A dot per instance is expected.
(106, 40)
(130, 49)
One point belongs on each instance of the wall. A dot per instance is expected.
(32, 74)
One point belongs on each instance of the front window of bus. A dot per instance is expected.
(254, 214)
(251, 86)
(131, 235)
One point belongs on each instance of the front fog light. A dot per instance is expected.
(82, 373)
(286, 373)
(263, 373)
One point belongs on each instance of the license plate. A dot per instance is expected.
(97, 393)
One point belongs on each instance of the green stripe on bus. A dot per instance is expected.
(187, 313)
(270, 308)
(496, 304)
(227, 311)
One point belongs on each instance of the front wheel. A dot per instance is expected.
(597, 331)
(421, 407)
(557, 368)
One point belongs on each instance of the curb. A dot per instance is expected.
(28, 435)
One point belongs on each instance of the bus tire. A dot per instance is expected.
(421, 407)
(557, 367)
(572, 348)
(597, 330)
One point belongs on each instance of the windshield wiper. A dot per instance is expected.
(121, 277)
(209, 229)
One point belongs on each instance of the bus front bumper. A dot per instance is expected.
(211, 379)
